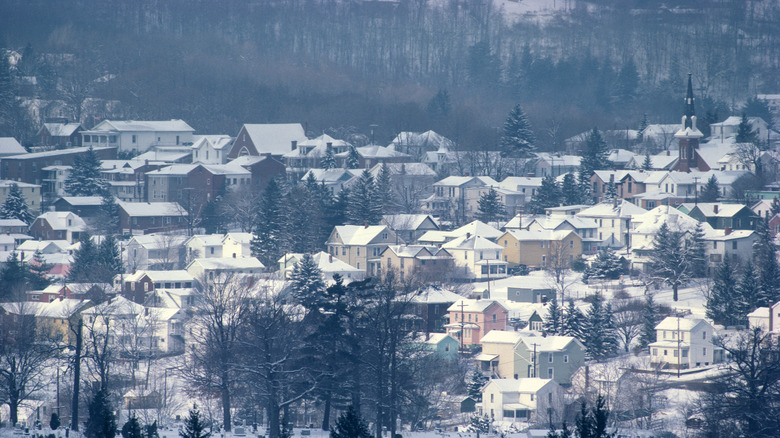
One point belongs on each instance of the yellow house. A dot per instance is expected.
(52, 320)
(361, 246)
(538, 249)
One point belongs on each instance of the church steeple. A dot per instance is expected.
(690, 111)
(688, 136)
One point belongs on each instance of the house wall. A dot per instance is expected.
(563, 365)
(506, 362)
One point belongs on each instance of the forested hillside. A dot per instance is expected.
(454, 66)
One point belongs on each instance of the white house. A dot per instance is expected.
(522, 400)
(138, 136)
(210, 268)
(211, 149)
(477, 258)
(684, 343)
(613, 219)
(204, 246)
(237, 244)
(154, 251)
(328, 265)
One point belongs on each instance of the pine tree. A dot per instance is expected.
(480, 424)
(364, 204)
(85, 259)
(606, 265)
(669, 258)
(548, 195)
(109, 214)
(553, 323)
(383, 189)
(439, 105)
(307, 284)
(610, 191)
(132, 429)
(7, 96)
(329, 159)
(594, 156)
(573, 322)
(593, 423)
(109, 261)
(15, 206)
(697, 252)
(518, 139)
(353, 158)
(490, 208)
(150, 431)
(648, 163)
(13, 277)
(571, 191)
(350, 425)
(643, 124)
(101, 422)
(765, 261)
(193, 426)
(478, 381)
(54, 423)
(711, 191)
(600, 337)
(38, 271)
(745, 133)
(722, 301)
(650, 319)
(748, 293)
(84, 178)
(775, 208)
(271, 239)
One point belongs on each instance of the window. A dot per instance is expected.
(532, 397)
(550, 357)
(714, 245)
(358, 252)
(704, 335)
(544, 261)
(492, 398)
(494, 317)
(734, 245)
(550, 373)
(134, 139)
(704, 351)
(343, 250)
(565, 358)
(571, 244)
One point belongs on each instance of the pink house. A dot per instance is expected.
(470, 320)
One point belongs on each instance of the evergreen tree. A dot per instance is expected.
(573, 322)
(643, 124)
(669, 258)
(84, 178)
(109, 214)
(13, 277)
(627, 82)
(765, 261)
(594, 156)
(553, 323)
(7, 96)
(648, 163)
(600, 338)
(592, 423)
(193, 426)
(610, 191)
(606, 266)
(329, 159)
(353, 158)
(697, 252)
(54, 422)
(711, 191)
(364, 204)
(650, 319)
(150, 431)
(307, 284)
(571, 191)
(478, 381)
(755, 107)
(383, 189)
(564, 433)
(490, 208)
(270, 240)
(722, 301)
(350, 425)
(109, 261)
(85, 259)
(15, 206)
(745, 133)
(548, 195)
(101, 422)
(775, 208)
(518, 139)
(132, 429)
(439, 105)
(748, 293)
(38, 272)
(480, 424)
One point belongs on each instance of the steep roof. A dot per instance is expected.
(9, 146)
(472, 305)
(275, 138)
(357, 234)
(217, 142)
(671, 323)
(471, 243)
(58, 220)
(435, 295)
(149, 209)
(61, 129)
(406, 221)
(624, 209)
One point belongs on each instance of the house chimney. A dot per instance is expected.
(468, 235)
(728, 230)
(715, 207)
(668, 152)
(329, 144)
(365, 224)
(294, 144)
(330, 258)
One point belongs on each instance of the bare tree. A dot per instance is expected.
(628, 320)
(558, 269)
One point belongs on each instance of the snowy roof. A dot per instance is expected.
(559, 160)
(117, 306)
(454, 181)
(54, 153)
(525, 384)
(433, 338)
(45, 246)
(61, 129)
(435, 295)
(83, 200)
(528, 235)
(9, 146)
(720, 235)
(217, 142)
(63, 220)
(620, 156)
(406, 221)
(650, 222)
(415, 169)
(429, 140)
(624, 209)
(472, 305)
(520, 221)
(157, 241)
(21, 185)
(174, 275)
(517, 182)
(673, 323)
(165, 156)
(185, 169)
(719, 209)
(206, 239)
(173, 125)
(357, 234)
(60, 308)
(331, 175)
(500, 337)
(546, 343)
(471, 243)
(325, 262)
(316, 147)
(228, 263)
(239, 237)
(149, 209)
(12, 223)
(477, 228)
(376, 151)
(275, 138)
(553, 222)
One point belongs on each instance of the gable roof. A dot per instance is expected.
(435, 295)
(357, 234)
(173, 125)
(60, 129)
(624, 209)
(9, 146)
(471, 243)
(533, 236)
(413, 169)
(217, 142)
(58, 220)
(149, 209)
(671, 323)
(473, 305)
(525, 384)
(407, 221)
(274, 138)
(428, 140)
(228, 263)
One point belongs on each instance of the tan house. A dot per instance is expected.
(361, 246)
(537, 249)
(427, 264)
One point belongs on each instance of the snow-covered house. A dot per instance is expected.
(540, 248)
(685, 343)
(213, 268)
(9, 146)
(645, 226)
(361, 246)
(309, 153)
(547, 164)
(138, 136)
(60, 134)
(328, 265)
(473, 228)
(148, 217)
(410, 227)
(418, 144)
(211, 149)
(137, 285)
(58, 225)
(410, 183)
(273, 138)
(613, 219)
(155, 251)
(204, 246)
(523, 400)
(237, 244)
(449, 196)
(333, 179)
(470, 320)
(425, 264)
(526, 185)
(371, 155)
(476, 258)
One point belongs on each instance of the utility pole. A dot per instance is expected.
(462, 333)
(74, 418)
(533, 359)
(679, 353)
(696, 190)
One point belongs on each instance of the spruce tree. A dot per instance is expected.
(383, 189)
(606, 266)
(573, 322)
(647, 164)
(109, 261)
(765, 261)
(307, 284)
(350, 425)
(745, 133)
(490, 208)
(353, 158)
(571, 191)
(109, 214)
(643, 124)
(150, 431)
(193, 425)
(85, 259)
(775, 208)
(84, 178)
(748, 293)
(364, 207)
(132, 428)
(697, 252)
(722, 301)
(38, 271)
(475, 385)
(547, 196)
(518, 139)
(669, 259)
(711, 191)
(101, 422)
(54, 422)
(13, 277)
(650, 319)
(270, 240)
(328, 160)
(15, 206)
(594, 155)
(600, 338)
(553, 323)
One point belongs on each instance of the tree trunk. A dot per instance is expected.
(674, 291)
(226, 421)
(326, 412)
(13, 406)
(273, 419)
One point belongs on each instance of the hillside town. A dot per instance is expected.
(275, 276)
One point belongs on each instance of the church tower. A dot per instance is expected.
(688, 136)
